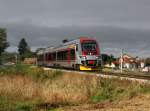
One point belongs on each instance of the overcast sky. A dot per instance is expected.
(116, 24)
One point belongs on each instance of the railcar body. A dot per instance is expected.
(80, 54)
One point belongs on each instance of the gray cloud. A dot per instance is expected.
(115, 23)
(111, 39)
(127, 13)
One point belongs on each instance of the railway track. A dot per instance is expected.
(146, 77)
(131, 77)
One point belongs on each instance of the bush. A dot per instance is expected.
(18, 69)
(112, 89)
(35, 72)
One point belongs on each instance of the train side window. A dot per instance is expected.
(49, 56)
(62, 55)
(54, 56)
(65, 55)
(46, 56)
(40, 58)
(76, 47)
(72, 54)
(58, 55)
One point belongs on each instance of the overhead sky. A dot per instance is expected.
(116, 24)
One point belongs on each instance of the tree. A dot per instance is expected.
(107, 59)
(147, 62)
(3, 41)
(24, 49)
(111, 58)
(9, 57)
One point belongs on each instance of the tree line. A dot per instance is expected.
(23, 48)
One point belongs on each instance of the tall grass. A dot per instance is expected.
(36, 88)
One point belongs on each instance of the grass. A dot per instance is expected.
(9, 104)
(26, 88)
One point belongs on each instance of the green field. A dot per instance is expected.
(30, 88)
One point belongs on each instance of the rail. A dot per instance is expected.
(131, 77)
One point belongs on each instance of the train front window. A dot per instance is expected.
(89, 46)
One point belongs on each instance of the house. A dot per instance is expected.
(128, 61)
(146, 69)
(30, 61)
(113, 65)
(142, 64)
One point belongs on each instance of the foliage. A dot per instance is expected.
(34, 72)
(107, 59)
(24, 49)
(3, 41)
(9, 57)
(28, 87)
(147, 62)
(9, 104)
(114, 89)
(23, 46)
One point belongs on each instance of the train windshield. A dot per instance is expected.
(89, 46)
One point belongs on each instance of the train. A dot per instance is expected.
(82, 53)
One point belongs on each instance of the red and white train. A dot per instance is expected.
(81, 54)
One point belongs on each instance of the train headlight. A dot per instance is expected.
(83, 57)
(98, 57)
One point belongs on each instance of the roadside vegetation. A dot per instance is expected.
(29, 88)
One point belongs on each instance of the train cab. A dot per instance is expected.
(90, 54)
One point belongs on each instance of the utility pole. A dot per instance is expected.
(16, 58)
(121, 60)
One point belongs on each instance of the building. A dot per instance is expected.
(30, 61)
(128, 61)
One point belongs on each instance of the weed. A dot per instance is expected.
(21, 85)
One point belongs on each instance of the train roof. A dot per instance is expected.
(69, 42)
(78, 40)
